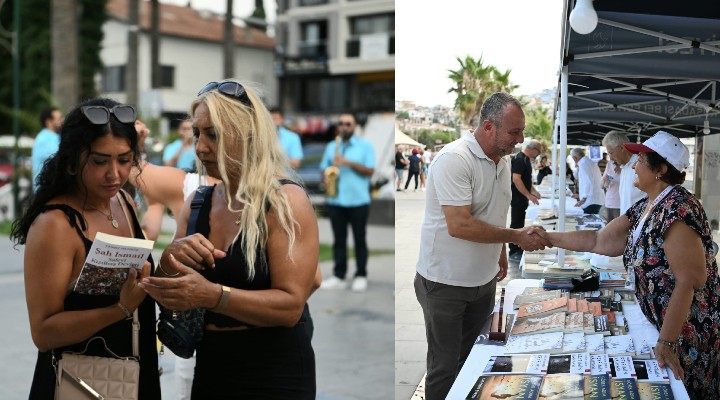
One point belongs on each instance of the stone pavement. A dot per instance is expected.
(410, 341)
(353, 337)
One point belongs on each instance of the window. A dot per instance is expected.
(370, 25)
(312, 2)
(313, 39)
(167, 76)
(113, 79)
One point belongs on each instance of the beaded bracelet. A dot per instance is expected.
(671, 345)
(128, 314)
(165, 272)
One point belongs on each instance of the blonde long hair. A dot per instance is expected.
(250, 156)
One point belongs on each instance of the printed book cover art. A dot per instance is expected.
(597, 387)
(492, 387)
(600, 364)
(574, 342)
(643, 349)
(650, 370)
(622, 367)
(563, 387)
(554, 322)
(523, 299)
(517, 364)
(601, 324)
(574, 322)
(595, 343)
(624, 388)
(543, 307)
(655, 391)
(619, 345)
(107, 263)
(535, 343)
(575, 363)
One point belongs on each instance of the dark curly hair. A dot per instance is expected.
(58, 175)
(672, 176)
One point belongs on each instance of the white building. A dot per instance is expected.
(191, 55)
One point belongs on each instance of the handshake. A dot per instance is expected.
(532, 238)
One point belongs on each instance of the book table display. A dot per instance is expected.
(574, 361)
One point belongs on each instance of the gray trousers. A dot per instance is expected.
(454, 317)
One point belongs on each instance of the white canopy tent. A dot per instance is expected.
(401, 138)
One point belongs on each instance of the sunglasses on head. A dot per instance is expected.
(228, 88)
(100, 115)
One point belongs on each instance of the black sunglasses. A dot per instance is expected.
(228, 88)
(100, 115)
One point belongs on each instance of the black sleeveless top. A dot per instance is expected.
(232, 270)
(118, 336)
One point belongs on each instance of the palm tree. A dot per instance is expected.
(538, 125)
(474, 82)
(65, 53)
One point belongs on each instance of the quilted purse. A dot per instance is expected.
(181, 331)
(90, 377)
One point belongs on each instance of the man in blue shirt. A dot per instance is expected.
(289, 140)
(47, 141)
(355, 158)
(181, 153)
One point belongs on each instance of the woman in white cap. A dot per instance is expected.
(666, 239)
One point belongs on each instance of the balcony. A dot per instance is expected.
(371, 46)
(312, 50)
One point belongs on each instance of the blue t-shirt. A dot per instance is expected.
(290, 142)
(46, 145)
(186, 160)
(353, 187)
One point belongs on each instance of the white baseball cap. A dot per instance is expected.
(667, 146)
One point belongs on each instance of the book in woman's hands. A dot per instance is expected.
(108, 261)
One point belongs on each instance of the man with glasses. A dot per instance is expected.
(289, 140)
(614, 143)
(355, 158)
(523, 191)
(181, 153)
(47, 140)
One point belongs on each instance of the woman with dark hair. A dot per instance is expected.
(78, 196)
(666, 241)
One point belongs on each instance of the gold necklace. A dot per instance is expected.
(109, 217)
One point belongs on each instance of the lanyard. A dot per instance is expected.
(638, 228)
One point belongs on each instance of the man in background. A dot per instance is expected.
(289, 140)
(629, 194)
(523, 191)
(47, 140)
(590, 194)
(181, 153)
(355, 158)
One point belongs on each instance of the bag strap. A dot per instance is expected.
(195, 206)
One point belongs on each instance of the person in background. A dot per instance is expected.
(602, 163)
(181, 153)
(523, 191)
(255, 344)
(428, 156)
(543, 169)
(614, 142)
(423, 170)
(462, 241)
(590, 194)
(400, 166)
(666, 241)
(351, 205)
(414, 168)
(47, 141)
(289, 140)
(79, 194)
(611, 184)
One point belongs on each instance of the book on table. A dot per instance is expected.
(554, 322)
(519, 387)
(624, 388)
(654, 391)
(574, 363)
(600, 364)
(601, 324)
(574, 342)
(619, 345)
(563, 387)
(542, 308)
(597, 387)
(595, 343)
(650, 370)
(642, 349)
(523, 299)
(574, 322)
(551, 342)
(622, 367)
(108, 262)
(517, 364)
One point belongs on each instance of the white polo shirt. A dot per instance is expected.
(590, 183)
(629, 194)
(463, 175)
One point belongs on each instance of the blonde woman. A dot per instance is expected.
(253, 260)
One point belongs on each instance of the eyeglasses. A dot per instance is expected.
(228, 88)
(345, 123)
(100, 115)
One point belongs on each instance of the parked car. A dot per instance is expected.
(310, 171)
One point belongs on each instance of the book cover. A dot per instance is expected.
(582, 306)
(643, 349)
(627, 297)
(520, 387)
(574, 342)
(619, 345)
(610, 316)
(542, 308)
(624, 388)
(650, 370)
(535, 343)
(597, 387)
(574, 322)
(575, 363)
(600, 364)
(595, 343)
(595, 308)
(521, 299)
(106, 266)
(562, 387)
(588, 323)
(572, 305)
(622, 367)
(517, 364)
(601, 324)
(554, 322)
(617, 330)
(655, 391)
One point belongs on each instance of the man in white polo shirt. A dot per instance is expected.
(614, 143)
(463, 236)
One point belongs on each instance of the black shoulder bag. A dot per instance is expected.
(181, 331)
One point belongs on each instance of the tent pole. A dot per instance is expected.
(554, 161)
(561, 157)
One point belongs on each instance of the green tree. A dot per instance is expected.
(539, 125)
(473, 83)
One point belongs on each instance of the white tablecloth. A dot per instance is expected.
(639, 326)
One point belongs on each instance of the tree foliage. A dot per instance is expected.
(473, 83)
(538, 125)
(429, 137)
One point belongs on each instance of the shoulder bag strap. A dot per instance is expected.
(136, 335)
(195, 206)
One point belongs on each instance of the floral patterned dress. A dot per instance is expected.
(654, 282)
